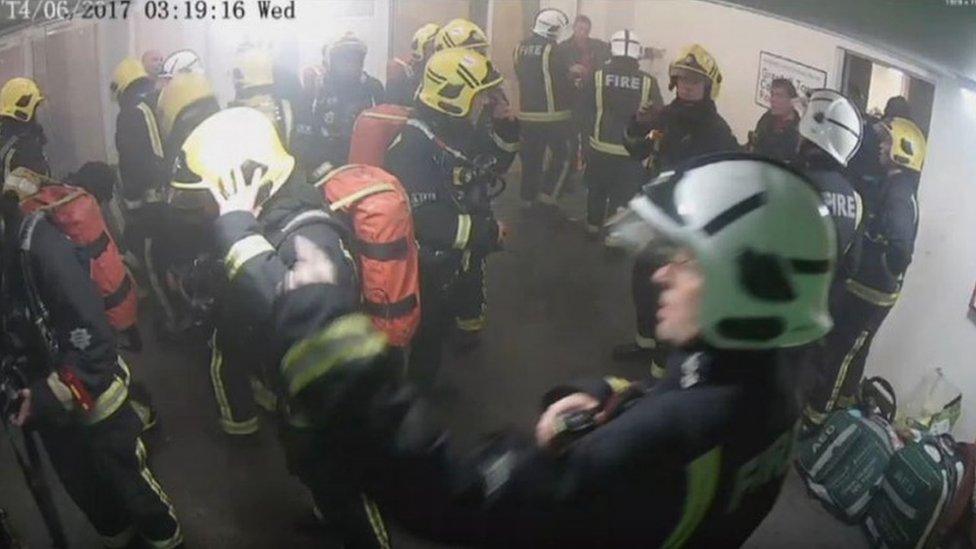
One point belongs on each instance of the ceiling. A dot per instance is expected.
(933, 33)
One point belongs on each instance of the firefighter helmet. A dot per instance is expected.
(239, 138)
(550, 23)
(763, 238)
(453, 77)
(626, 43)
(422, 39)
(253, 68)
(183, 61)
(19, 99)
(907, 143)
(180, 93)
(695, 59)
(126, 73)
(831, 122)
(461, 33)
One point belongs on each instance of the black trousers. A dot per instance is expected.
(438, 282)
(537, 138)
(103, 468)
(233, 372)
(611, 181)
(838, 361)
(470, 296)
(334, 483)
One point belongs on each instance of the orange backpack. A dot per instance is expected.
(384, 244)
(77, 214)
(374, 132)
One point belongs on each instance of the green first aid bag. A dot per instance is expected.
(917, 488)
(843, 464)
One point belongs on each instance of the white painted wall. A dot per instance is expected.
(929, 325)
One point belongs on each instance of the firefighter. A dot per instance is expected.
(546, 97)
(346, 91)
(697, 461)
(140, 149)
(613, 93)
(77, 397)
(403, 76)
(22, 138)
(185, 101)
(254, 85)
(830, 132)
(289, 276)
(687, 127)
(440, 157)
(873, 289)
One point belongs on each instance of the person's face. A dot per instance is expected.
(780, 101)
(691, 87)
(347, 66)
(152, 61)
(581, 30)
(679, 304)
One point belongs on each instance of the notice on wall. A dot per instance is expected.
(772, 66)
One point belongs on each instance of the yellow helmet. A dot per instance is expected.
(253, 68)
(460, 33)
(907, 143)
(127, 72)
(696, 59)
(422, 38)
(19, 99)
(453, 77)
(237, 138)
(184, 90)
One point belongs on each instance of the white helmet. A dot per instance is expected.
(763, 238)
(832, 122)
(626, 43)
(550, 23)
(183, 61)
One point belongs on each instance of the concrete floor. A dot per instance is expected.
(558, 304)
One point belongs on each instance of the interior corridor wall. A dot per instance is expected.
(931, 325)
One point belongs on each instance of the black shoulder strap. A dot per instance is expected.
(304, 219)
(37, 311)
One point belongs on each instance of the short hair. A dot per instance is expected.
(784, 84)
(898, 107)
(583, 19)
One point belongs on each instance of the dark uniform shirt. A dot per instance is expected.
(335, 111)
(889, 239)
(430, 157)
(22, 146)
(83, 341)
(697, 461)
(689, 129)
(608, 100)
(141, 155)
(545, 89)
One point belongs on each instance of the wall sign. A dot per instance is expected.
(772, 66)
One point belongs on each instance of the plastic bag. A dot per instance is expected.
(933, 406)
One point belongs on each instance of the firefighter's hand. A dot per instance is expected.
(24, 413)
(233, 194)
(545, 430)
(648, 112)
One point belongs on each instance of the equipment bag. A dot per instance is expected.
(374, 132)
(378, 211)
(77, 214)
(918, 487)
(843, 464)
